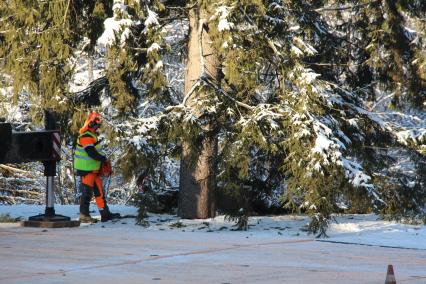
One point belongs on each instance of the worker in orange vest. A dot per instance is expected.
(90, 163)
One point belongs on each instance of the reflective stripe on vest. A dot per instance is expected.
(82, 161)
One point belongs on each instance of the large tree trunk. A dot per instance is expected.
(197, 179)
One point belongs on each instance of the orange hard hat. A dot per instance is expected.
(94, 119)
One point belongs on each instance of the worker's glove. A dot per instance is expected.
(106, 169)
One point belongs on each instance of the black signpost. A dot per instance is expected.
(43, 146)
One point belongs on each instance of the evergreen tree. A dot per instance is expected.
(379, 44)
(271, 105)
(267, 103)
(198, 161)
(38, 39)
(40, 44)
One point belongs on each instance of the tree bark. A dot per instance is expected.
(90, 67)
(198, 180)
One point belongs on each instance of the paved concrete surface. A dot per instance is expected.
(133, 254)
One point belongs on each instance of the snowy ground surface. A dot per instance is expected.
(171, 250)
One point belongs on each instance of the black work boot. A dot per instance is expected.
(106, 215)
(87, 219)
(86, 196)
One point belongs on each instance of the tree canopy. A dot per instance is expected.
(292, 104)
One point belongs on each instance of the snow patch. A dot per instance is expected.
(151, 20)
(223, 13)
(113, 27)
(154, 47)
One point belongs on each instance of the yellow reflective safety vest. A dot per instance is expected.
(82, 161)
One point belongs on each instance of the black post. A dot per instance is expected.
(5, 139)
(50, 168)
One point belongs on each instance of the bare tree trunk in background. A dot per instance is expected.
(90, 67)
(198, 181)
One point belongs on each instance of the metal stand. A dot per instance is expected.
(49, 219)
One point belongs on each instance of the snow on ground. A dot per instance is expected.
(276, 249)
(355, 229)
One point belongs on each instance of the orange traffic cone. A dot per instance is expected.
(390, 276)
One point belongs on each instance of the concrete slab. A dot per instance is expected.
(122, 253)
(50, 224)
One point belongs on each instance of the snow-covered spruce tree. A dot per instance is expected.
(383, 46)
(36, 42)
(42, 43)
(380, 45)
(322, 129)
(198, 160)
(276, 105)
(132, 42)
(396, 49)
(267, 103)
(164, 121)
(271, 106)
(39, 44)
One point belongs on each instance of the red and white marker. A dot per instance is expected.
(390, 276)
(56, 139)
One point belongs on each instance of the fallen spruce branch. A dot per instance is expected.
(16, 170)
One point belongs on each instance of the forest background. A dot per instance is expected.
(249, 107)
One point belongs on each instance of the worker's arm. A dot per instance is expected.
(88, 143)
(94, 154)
